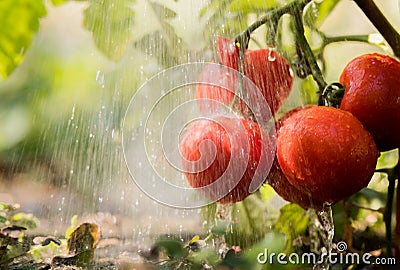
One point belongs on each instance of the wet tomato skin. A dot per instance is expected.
(326, 153)
(372, 83)
(249, 136)
(266, 68)
(279, 182)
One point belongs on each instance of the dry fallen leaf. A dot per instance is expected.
(81, 245)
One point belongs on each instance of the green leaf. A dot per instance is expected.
(19, 20)
(324, 9)
(71, 228)
(25, 220)
(3, 217)
(206, 255)
(316, 13)
(309, 89)
(248, 6)
(111, 23)
(292, 222)
(60, 2)
(272, 243)
(221, 228)
(173, 248)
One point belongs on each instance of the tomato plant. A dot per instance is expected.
(324, 155)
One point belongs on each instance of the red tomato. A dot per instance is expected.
(326, 152)
(372, 83)
(289, 192)
(226, 156)
(266, 68)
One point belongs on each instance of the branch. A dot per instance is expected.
(271, 15)
(381, 23)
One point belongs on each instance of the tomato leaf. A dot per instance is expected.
(247, 6)
(316, 13)
(292, 222)
(272, 243)
(60, 2)
(19, 20)
(173, 248)
(309, 89)
(111, 23)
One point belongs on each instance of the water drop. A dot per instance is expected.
(271, 55)
(100, 78)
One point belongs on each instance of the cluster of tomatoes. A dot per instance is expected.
(323, 154)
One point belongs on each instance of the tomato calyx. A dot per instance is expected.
(332, 95)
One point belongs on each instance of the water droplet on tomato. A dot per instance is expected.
(271, 55)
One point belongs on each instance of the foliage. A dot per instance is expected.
(16, 34)
(19, 250)
(111, 23)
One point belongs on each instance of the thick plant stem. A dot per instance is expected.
(308, 53)
(381, 23)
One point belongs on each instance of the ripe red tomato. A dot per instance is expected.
(326, 152)
(228, 52)
(372, 83)
(225, 156)
(278, 181)
(266, 68)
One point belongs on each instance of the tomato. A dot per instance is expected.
(278, 181)
(228, 52)
(270, 71)
(326, 153)
(266, 68)
(372, 83)
(225, 156)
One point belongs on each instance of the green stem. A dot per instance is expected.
(391, 173)
(308, 53)
(358, 38)
(381, 23)
(248, 216)
(272, 15)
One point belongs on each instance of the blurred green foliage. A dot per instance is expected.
(19, 20)
(111, 23)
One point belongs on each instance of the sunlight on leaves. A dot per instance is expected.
(16, 35)
(60, 2)
(247, 6)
